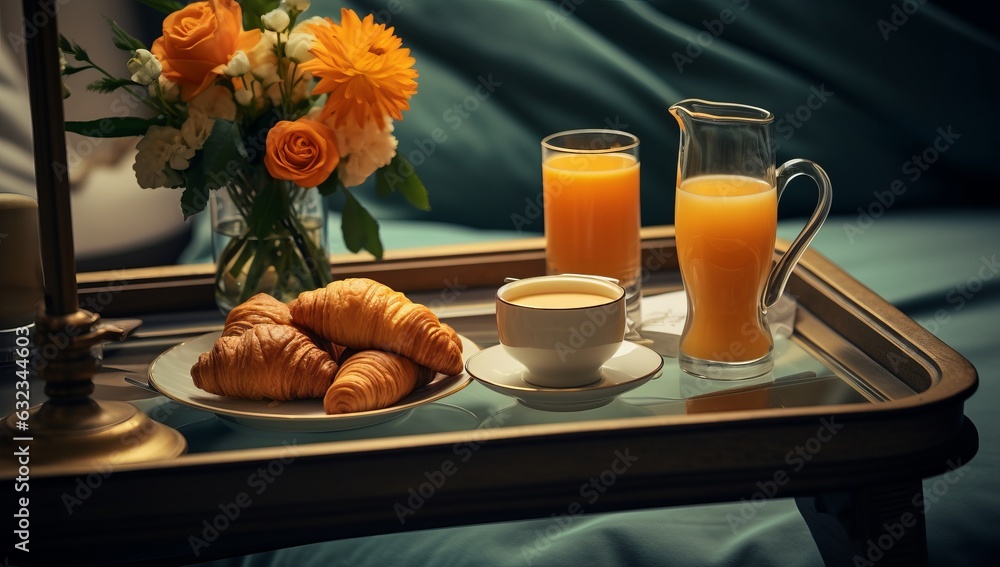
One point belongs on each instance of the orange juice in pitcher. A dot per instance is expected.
(726, 213)
(725, 231)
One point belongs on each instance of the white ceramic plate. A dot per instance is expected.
(170, 373)
(632, 366)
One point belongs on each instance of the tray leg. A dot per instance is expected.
(870, 525)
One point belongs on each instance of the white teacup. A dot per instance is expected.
(561, 328)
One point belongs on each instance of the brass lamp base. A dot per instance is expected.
(93, 435)
(71, 430)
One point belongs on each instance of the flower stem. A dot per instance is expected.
(285, 248)
(245, 247)
(261, 259)
(317, 264)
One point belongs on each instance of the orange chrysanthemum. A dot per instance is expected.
(363, 68)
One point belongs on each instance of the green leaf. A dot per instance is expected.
(165, 6)
(113, 127)
(385, 182)
(73, 49)
(360, 228)
(69, 70)
(400, 176)
(267, 210)
(253, 10)
(64, 44)
(255, 134)
(330, 186)
(122, 39)
(109, 84)
(194, 199)
(223, 156)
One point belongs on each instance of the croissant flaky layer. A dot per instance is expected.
(277, 362)
(362, 314)
(260, 309)
(373, 379)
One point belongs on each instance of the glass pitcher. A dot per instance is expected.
(725, 217)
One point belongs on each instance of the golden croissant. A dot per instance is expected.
(277, 362)
(373, 379)
(259, 309)
(363, 314)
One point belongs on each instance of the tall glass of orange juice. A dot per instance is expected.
(725, 217)
(590, 191)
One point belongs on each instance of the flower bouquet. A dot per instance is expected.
(261, 113)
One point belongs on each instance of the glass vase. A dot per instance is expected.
(267, 237)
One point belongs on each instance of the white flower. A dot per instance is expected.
(266, 73)
(62, 68)
(197, 128)
(238, 65)
(217, 102)
(276, 20)
(169, 89)
(273, 93)
(244, 97)
(298, 46)
(297, 5)
(264, 60)
(144, 67)
(363, 150)
(301, 39)
(162, 146)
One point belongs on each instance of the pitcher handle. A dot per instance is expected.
(780, 273)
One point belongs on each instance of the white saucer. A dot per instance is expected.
(632, 366)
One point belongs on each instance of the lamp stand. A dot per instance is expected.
(70, 429)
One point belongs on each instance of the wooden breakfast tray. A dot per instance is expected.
(867, 451)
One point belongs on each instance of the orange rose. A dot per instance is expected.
(304, 151)
(199, 40)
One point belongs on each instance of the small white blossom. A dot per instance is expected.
(62, 68)
(255, 95)
(217, 102)
(363, 150)
(297, 47)
(168, 89)
(273, 93)
(239, 65)
(264, 59)
(297, 5)
(144, 67)
(244, 97)
(276, 20)
(161, 153)
(266, 73)
(301, 40)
